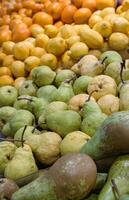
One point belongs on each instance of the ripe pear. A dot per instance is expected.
(22, 164)
(110, 56)
(5, 113)
(64, 93)
(46, 146)
(63, 75)
(43, 75)
(8, 95)
(7, 150)
(51, 108)
(81, 84)
(77, 102)
(73, 142)
(63, 122)
(46, 92)
(28, 88)
(19, 119)
(30, 130)
(109, 104)
(102, 85)
(7, 188)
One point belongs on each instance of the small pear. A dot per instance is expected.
(7, 150)
(5, 113)
(46, 92)
(28, 88)
(46, 146)
(22, 164)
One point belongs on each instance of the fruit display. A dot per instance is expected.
(64, 100)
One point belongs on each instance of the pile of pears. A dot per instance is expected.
(62, 131)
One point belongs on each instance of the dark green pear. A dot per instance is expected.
(63, 122)
(92, 197)
(110, 56)
(111, 138)
(28, 88)
(8, 95)
(81, 84)
(43, 75)
(46, 92)
(63, 75)
(124, 197)
(64, 93)
(117, 183)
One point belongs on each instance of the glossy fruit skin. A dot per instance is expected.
(68, 13)
(82, 15)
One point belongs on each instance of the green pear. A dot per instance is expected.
(81, 84)
(8, 95)
(28, 88)
(19, 119)
(124, 96)
(64, 93)
(43, 75)
(7, 150)
(73, 142)
(46, 146)
(102, 85)
(46, 92)
(63, 122)
(89, 108)
(22, 164)
(6, 130)
(118, 176)
(124, 197)
(5, 113)
(63, 75)
(110, 56)
(109, 104)
(30, 130)
(50, 108)
(22, 102)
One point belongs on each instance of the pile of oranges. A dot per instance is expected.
(35, 21)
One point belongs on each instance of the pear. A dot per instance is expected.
(64, 93)
(92, 118)
(7, 188)
(5, 113)
(50, 108)
(117, 178)
(43, 75)
(110, 56)
(109, 104)
(77, 102)
(63, 75)
(124, 96)
(102, 85)
(30, 130)
(24, 102)
(6, 130)
(73, 142)
(19, 119)
(46, 92)
(22, 164)
(8, 95)
(7, 150)
(81, 84)
(28, 88)
(46, 146)
(92, 197)
(63, 122)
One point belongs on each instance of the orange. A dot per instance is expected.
(18, 68)
(68, 13)
(77, 3)
(18, 82)
(101, 4)
(31, 62)
(82, 15)
(14, 23)
(6, 80)
(5, 35)
(42, 18)
(5, 71)
(6, 20)
(26, 12)
(91, 4)
(20, 32)
(55, 10)
(27, 21)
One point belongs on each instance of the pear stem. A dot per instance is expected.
(70, 80)
(115, 189)
(121, 71)
(22, 137)
(90, 95)
(102, 62)
(36, 126)
(25, 98)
